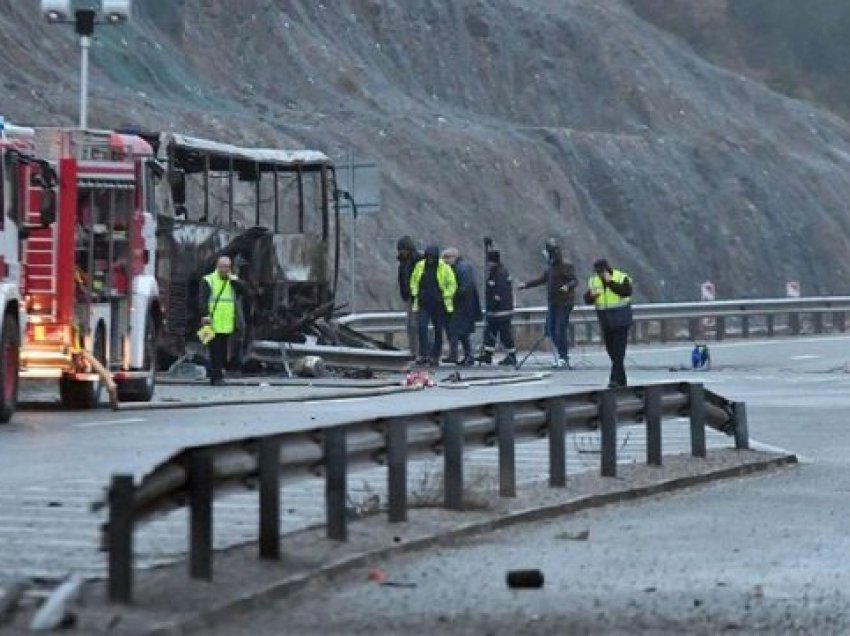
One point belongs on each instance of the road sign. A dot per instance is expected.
(362, 181)
(707, 291)
(792, 289)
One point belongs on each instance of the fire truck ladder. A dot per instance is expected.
(39, 256)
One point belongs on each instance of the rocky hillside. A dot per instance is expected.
(516, 119)
(801, 49)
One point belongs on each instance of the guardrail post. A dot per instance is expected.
(572, 335)
(839, 320)
(336, 495)
(696, 406)
(652, 412)
(557, 423)
(633, 334)
(269, 469)
(200, 483)
(745, 326)
(664, 330)
(397, 470)
(120, 537)
(453, 461)
(771, 325)
(694, 329)
(817, 318)
(720, 329)
(588, 330)
(742, 435)
(794, 323)
(608, 432)
(507, 450)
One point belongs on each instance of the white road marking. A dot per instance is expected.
(805, 357)
(129, 420)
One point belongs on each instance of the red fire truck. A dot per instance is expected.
(88, 280)
(20, 172)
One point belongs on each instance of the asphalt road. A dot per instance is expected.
(55, 464)
(756, 555)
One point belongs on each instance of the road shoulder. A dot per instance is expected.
(166, 601)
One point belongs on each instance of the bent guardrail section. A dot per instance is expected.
(193, 476)
(698, 320)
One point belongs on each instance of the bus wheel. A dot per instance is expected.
(10, 347)
(85, 394)
(141, 389)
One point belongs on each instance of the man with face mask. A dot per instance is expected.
(610, 291)
(560, 280)
(432, 287)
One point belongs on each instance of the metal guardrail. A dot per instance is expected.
(193, 476)
(703, 319)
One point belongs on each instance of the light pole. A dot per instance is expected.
(113, 12)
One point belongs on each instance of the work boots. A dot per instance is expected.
(508, 361)
(486, 358)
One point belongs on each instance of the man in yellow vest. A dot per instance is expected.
(220, 310)
(432, 287)
(610, 291)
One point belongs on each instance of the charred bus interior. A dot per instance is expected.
(272, 211)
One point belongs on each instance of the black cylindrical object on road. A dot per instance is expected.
(525, 578)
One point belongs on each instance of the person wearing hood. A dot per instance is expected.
(408, 256)
(432, 287)
(560, 280)
(499, 303)
(610, 291)
(467, 306)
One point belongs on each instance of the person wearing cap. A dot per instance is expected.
(560, 280)
(610, 291)
(408, 256)
(433, 287)
(467, 307)
(499, 303)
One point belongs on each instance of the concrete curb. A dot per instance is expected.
(351, 393)
(201, 620)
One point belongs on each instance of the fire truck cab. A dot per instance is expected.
(88, 281)
(27, 191)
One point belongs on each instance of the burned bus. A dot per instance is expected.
(272, 211)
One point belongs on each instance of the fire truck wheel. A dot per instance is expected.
(77, 394)
(9, 363)
(141, 389)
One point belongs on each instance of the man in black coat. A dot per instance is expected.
(467, 308)
(500, 310)
(408, 256)
(560, 280)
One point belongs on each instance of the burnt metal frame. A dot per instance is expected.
(194, 476)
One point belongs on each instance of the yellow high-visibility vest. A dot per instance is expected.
(606, 298)
(222, 304)
(445, 279)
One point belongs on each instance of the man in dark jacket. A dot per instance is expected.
(467, 307)
(610, 291)
(408, 256)
(560, 280)
(500, 309)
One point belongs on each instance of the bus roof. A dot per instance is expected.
(189, 150)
